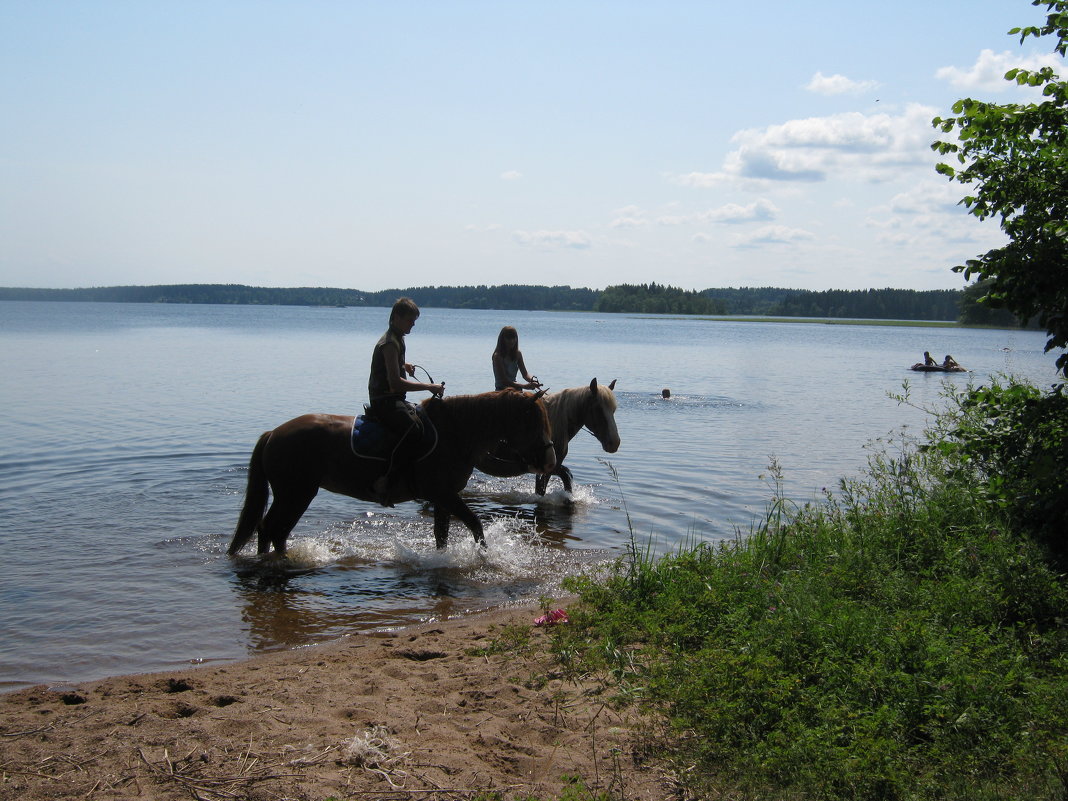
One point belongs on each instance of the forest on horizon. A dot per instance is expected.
(652, 298)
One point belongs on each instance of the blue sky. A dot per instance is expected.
(375, 145)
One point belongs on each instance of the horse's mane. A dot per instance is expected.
(567, 403)
(487, 408)
(576, 396)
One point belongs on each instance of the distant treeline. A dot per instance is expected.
(875, 304)
(528, 298)
(656, 299)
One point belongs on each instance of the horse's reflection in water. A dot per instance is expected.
(280, 613)
(550, 523)
(282, 610)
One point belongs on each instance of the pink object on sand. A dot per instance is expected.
(552, 618)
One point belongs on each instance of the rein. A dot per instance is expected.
(429, 378)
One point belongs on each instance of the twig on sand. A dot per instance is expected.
(17, 772)
(464, 792)
(207, 788)
(28, 731)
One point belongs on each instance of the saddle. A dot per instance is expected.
(372, 440)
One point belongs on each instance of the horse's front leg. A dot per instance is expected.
(541, 481)
(444, 509)
(565, 476)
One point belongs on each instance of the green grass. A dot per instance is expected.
(897, 640)
(836, 321)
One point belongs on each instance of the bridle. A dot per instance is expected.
(548, 444)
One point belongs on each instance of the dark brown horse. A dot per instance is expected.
(569, 410)
(314, 451)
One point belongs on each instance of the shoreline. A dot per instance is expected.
(443, 709)
(180, 664)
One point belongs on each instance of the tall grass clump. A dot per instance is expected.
(904, 638)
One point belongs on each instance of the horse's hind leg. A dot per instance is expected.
(441, 526)
(286, 509)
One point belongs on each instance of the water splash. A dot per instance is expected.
(513, 551)
(520, 491)
(513, 546)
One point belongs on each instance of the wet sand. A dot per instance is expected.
(438, 711)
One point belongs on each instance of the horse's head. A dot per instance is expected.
(600, 415)
(529, 432)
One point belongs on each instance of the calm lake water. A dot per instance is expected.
(127, 428)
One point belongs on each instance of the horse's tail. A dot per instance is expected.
(256, 494)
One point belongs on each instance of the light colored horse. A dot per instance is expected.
(592, 407)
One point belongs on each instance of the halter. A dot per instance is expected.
(591, 404)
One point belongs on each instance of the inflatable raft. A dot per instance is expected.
(920, 367)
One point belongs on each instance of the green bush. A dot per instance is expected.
(898, 640)
(1012, 440)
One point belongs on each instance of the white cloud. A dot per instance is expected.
(774, 235)
(702, 180)
(676, 219)
(988, 71)
(578, 240)
(511, 175)
(928, 207)
(926, 218)
(838, 85)
(731, 213)
(629, 217)
(929, 197)
(868, 147)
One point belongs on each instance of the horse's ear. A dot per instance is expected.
(539, 393)
(612, 385)
(593, 385)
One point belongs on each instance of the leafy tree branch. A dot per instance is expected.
(1014, 158)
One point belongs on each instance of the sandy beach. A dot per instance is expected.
(439, 711)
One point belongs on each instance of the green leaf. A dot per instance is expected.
(1016, 157)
